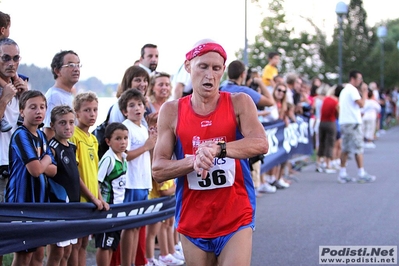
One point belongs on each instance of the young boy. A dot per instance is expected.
(67, 177)
(270, 70)
(138, 180)
(30, 160)
(112, 180)
(163, 230)
(86, 108)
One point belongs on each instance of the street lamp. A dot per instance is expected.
(341, 9)
(397, 46)
(245, 56)
(382, 34)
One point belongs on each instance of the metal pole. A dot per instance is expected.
(340, 50)
(382, 33)
(382, 64)
(246, 40)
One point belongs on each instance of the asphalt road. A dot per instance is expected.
(318, 211)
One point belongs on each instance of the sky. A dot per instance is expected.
(108, 35)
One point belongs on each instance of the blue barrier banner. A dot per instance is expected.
(285, 141)
(29, 225)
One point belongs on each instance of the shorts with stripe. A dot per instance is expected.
(216, 244)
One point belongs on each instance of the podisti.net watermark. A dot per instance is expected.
(358, 255)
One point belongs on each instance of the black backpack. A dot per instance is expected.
(99, 132)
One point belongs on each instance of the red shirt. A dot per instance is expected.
(329, 110)
(209, 208)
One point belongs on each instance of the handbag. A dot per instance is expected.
(99, 132)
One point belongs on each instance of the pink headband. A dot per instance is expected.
(206, 48)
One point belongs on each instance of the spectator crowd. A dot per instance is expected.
(47, 141)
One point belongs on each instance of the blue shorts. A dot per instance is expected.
(216, 244)
(132, 195)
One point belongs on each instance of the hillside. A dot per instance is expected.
(42, 79)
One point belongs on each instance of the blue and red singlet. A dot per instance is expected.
(225, 200)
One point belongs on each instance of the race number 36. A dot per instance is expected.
(220, 176)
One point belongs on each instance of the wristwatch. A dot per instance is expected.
(223, 152)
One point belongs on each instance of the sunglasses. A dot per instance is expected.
(280, 90)
(6, 58)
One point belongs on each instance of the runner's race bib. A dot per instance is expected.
(221, 175)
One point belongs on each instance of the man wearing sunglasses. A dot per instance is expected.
(5, 24)
(11, 87)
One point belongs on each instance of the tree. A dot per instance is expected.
(310, 54)
(391, 54)
(299, 51)
(358, 42)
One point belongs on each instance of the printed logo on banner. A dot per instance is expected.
(286, 140)
(273, 140)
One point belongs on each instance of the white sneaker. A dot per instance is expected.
(178, 255)
(319, 169)
(178, 247)
(269, 179)
(366, 178)
(345, 179)
(169, 260)
(282, 183)
(369, 145)
(267, 188)
(336, 164)
(330, 171)
(155, 262)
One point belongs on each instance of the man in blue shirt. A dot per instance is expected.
(237, 73)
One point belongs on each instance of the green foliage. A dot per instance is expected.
(391, 55)
(309, 54)
(357, 43)
(299, 51)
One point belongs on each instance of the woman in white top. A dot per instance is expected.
(370, 112)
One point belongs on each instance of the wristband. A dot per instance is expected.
(223, 151)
